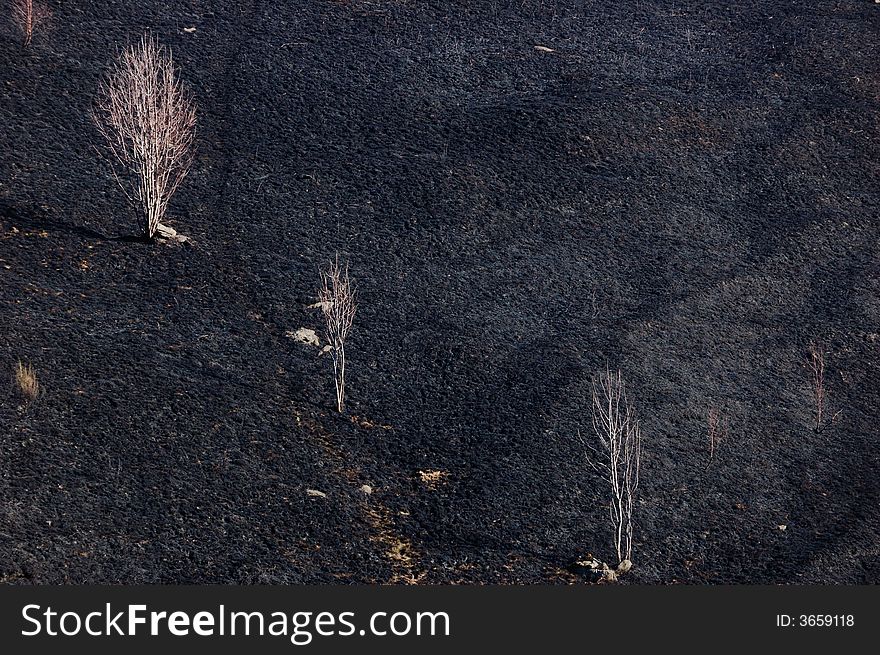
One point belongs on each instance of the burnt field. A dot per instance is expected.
(526, 192)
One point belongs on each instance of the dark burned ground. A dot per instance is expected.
(688, 192)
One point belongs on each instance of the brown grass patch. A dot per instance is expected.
(364, 422)
(397, 549)
(24, 378)
(433, 479)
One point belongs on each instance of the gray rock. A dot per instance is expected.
(306, 336)
(169, 234)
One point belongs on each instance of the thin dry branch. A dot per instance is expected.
(619, 457)
(148, 120)
(27, 15)
(717, 430)
(817, 369)
(337, 298)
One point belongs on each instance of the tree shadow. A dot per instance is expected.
(33, 218)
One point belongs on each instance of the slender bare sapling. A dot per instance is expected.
(337, 297)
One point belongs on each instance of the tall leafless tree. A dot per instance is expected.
(338, 299)
(27, 15)
(148, 120)
(618, 459)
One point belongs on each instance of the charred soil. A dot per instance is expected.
(525, 191)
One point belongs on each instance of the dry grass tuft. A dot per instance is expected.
(25, 380)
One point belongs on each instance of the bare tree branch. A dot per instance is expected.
(338, 300)
(148, 120)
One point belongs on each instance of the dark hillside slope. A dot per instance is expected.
(684, 191)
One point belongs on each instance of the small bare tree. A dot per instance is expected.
(817, 368)
(148, 120)
(27, 14)
(338, 299)
(717, 430)
(619, 458)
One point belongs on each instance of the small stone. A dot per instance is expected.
(782, 527)
(598, 571)
(589, 567)
(169, 234)
(306, 336)
(367, 489)
(315, 493)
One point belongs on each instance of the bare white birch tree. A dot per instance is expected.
(338, 299)
(619, 458)
(27, 15)
(148, 120)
